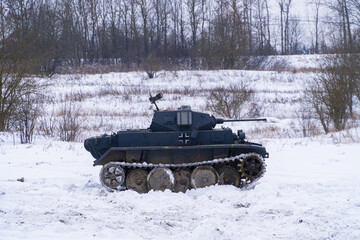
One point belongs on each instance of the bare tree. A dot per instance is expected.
(162, 10)
(317, 6)
(103, 29)
(145, 8)
(194, 17)
(350, 64)
(134, 32)
(285, 6)
(268, 23)
(203, 30)
(165, 26)
(182, 29)
(15, 69)
(355, 5)
(75, 32)
(14, 83)
(83, 26)
(126, 29)
(294, 37)
(331, 92)
(247, 23)
(175, 19)
(231, 33)
(342, 15)
(262, 27)
(281, 5)
(287, 25)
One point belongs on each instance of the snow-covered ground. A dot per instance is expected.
(310, 191)
(50, 190)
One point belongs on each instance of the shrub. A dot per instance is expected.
(230, 102)
(26, 116)
(152, 65)
(48, 125)
(306, 120)
(69, 123)
(332, 91)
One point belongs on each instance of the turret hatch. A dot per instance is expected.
(184, 116)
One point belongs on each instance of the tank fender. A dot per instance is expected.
(110, 156)
(114, 155)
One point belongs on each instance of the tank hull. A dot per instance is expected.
(177, 154)
(171, 147)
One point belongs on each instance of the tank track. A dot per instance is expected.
(246, 183)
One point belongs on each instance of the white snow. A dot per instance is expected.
(171, 175)
(310, 190)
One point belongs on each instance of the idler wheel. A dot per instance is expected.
(182, 180)
(252, 166)
(229, 176)
(112, 176)
(204, 176)
(137, 181)
(161, 178)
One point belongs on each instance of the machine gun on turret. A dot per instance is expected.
(154, 99)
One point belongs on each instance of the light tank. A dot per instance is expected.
(180, 150)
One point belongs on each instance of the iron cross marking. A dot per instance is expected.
(184, 138)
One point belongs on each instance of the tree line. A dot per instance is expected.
(210, 33)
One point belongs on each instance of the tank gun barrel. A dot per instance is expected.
(220, 120)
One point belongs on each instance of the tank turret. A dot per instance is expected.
(186, 119)
(182, 119)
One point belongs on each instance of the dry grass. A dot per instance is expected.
(124, 97)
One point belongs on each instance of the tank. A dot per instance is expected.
(180, 150)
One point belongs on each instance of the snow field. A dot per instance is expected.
(310, 190)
